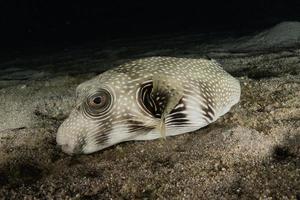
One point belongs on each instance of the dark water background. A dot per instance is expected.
(33, 23)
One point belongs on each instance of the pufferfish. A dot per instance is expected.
(146, 99)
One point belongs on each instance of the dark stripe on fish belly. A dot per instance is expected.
(137, 126)
(102, 138)
(209, 113)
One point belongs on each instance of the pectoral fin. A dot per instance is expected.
(172, 92)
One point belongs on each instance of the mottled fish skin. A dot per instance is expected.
(132, 110)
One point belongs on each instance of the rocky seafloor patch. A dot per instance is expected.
(250, 153)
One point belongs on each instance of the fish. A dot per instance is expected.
(146, 99)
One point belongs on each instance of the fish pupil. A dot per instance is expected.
(97, 100)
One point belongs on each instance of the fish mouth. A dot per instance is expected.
(71, 149)
(65, 148)
(68, 142)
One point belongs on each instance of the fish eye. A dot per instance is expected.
(98, 102)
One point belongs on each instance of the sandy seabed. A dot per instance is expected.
(252, 152)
